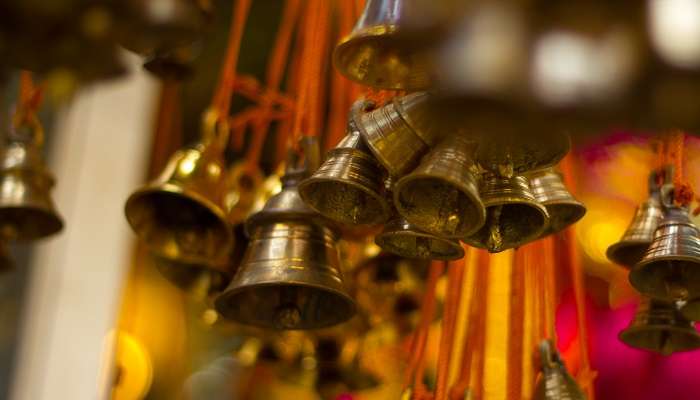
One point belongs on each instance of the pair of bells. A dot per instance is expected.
(555, 383)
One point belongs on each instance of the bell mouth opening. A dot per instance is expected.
(179, 227)
(668, 278)
(626, 253)
(28, 223)
(286, 306)
(168, 67)
(344, 202)
(452, 214)
(661, 339)
(518, 224)
(563, 215)
(198, 280)
(410, 244)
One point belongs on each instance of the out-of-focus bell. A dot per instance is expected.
(441, 196)
(6, 260)
(290, 277)
(180, 215)
(659, 327)
(555, 383)
(198, 279)
(514, 216)
(27, 211)
(349, 186)
(563, 209)
(521, 153)
(398, 133)
(630, 249)
(171, 64)
(244, 184)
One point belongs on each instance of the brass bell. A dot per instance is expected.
(509, 153)
(171, 64)
(403, 239)
(670, 268)
(27, 211)
(180, 215)
(630, 249)
(198, 279)
(514, 216)
(244, 184)
(290, 277)
(398, 133)
(563, 209)
(441, 196)
(349, 186)
(657, 326)
(555, 383)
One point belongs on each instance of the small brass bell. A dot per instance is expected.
(171, 64)
(27, 211)
(180, 215)
(290, 276)
(244, 184)
(390, 135)
(670, 268)
(403, 239)
(198, 279)
(349, 186)
(563, 209)
(630, 249)
(441, 196)
(521, 153)
(514, 216)
(659, 327)
(555, 383)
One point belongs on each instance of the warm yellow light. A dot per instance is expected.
(133, 369)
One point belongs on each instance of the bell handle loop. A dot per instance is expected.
(215, 130)
(30, 121)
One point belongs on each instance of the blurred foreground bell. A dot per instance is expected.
(180, 214)
(670, 268)
(563, 209)
(555, 383)
(197, 279)
(27, 211)
(349, 186)
(441, 196)
(514, 216)
(657, 326)
(290, 276)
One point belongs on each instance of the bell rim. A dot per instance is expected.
(380, 239)
(628, 335)
(383, 160)
(482, 157)
(610, 253)
(580, 212)
(56, 223)
(524, 240)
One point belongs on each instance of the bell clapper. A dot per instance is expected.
(495, 240)
(287, 316)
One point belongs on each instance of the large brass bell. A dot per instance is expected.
(659, 327)
(398, 133)
(555, 383)
(630, 249)
(27, 211)
(563, 209)
(514, 216)
(349, 186)
(180, 215)
(441, 196)
(290, 277)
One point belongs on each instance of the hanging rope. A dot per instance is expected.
(455, 278)
(550, 287)
(30, 98)
(514, 378)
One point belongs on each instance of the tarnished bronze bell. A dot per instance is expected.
(555, 383)
(180, 215)
(670, 268)
(441, 196)
(514, 216)
(563, 209)
(27, 211)
(630, 249)
(398, 133)
(659, 327)
(290, 277)
(349, 186)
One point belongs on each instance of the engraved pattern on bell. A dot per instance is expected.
(555, 383)
(630, 249)
(549, 189)
(659, 327)
(403, 239)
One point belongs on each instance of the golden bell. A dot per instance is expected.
(197, 279)
(171, 64)
(555, 383)
(514, 216)
(403, 239)
(390, 135)
(521, 153)
(349, 186)
(27, 211)
(180, 215)
(657, 326)
(563, 209)
(244, 184)
(441, 196)
(670, 268)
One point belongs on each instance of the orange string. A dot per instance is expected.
(514, 376)
(30, 97)
(550, 287)
(455, 276)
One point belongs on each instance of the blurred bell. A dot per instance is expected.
(441, 196)
(563, 209)
(514, 216)
(197, 279)
(506, 153)
(555, 383)
(670, 268)
(6, 260)
(659, 327)
(290, 276)
(27, 211)
(171, 64)
(244, 186)
(180, 215)
(349, 186)
(398, 133)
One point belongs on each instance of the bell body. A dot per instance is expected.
(514, 216)
(563, 209)
(670, 268)
(555, 383)
(349, 186)
(441, 196)
(197, 279)
(630, 249)
(180, 214)
(522, 153)
(403, 239)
